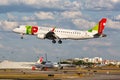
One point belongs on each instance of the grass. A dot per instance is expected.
(23, 76)
(77, 73)
(5, 75)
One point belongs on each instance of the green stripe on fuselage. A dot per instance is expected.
(28, 29)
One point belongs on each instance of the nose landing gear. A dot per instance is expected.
(22, 36)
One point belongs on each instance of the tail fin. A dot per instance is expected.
(99, 27)
(40, 60)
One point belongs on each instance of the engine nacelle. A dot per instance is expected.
(41, 36)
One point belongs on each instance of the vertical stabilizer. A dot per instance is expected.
(99, 28)
(101, 25)
(40, 60)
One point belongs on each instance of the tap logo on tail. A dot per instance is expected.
(40, 60)
(101, 25)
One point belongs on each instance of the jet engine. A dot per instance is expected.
(41, 36)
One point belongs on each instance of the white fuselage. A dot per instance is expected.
(68, 34)
(61, 33)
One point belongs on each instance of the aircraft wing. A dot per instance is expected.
(61, 36)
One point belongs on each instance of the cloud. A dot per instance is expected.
(99, 43)
(10, 16)
(117, 17)
(59, 4)
(113, 24)
(39, 16)
(8, 25)
(35, 5)
(66, 13)
(44, 15)
(71, 14)
(102, 4)
(1, 46)
(4, 2)
(41, 3)
(82, 23)
(28, 18)
(85, 24)
(115, 1)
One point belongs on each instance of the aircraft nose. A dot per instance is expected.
(15, 30)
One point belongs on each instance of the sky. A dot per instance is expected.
(68, 14)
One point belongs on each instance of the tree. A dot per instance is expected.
(80, 62)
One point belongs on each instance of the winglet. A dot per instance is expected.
(53, 29)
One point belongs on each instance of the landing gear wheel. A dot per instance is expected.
(21, 37)
(53, 41)
(60, 42)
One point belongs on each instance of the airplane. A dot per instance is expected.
(42, 65)
(59, 34)
(38, 64)
(19, 65)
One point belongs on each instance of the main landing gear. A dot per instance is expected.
(60, 42)
(53, 41)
